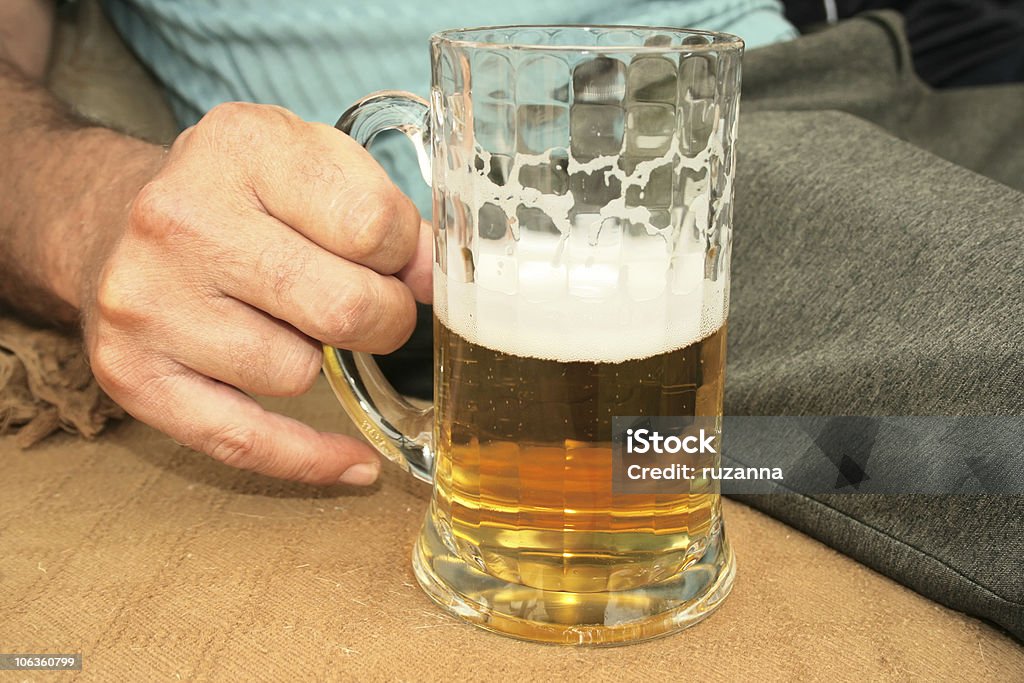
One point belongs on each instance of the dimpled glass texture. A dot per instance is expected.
(584, 164)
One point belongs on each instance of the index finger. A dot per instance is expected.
(224, 423)
(327, 187)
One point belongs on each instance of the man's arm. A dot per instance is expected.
(210, 270)
(52, 160)
(64, 186)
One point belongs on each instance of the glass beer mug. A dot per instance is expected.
(582, 205)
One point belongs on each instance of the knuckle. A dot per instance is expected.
(182, 140)
(298, 369)
(231, 119)
(276, 369)
(408, 315)
(228, 113)
(116, 298)
(277, 114)
(233, 445)
(348, 318)
(374, 223)
(158, 212)
(405, 322)
(112, 367)
(386, 228)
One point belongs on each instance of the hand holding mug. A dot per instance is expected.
(260, 237)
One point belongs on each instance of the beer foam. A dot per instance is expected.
(612, 328)
(595, 290)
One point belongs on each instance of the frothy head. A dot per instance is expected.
(602, 322)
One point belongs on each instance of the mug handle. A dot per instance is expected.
(399, 430)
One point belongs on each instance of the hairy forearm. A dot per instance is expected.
(65, 184)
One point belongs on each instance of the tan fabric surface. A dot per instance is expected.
(158, 563)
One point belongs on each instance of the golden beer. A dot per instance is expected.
(524, 464)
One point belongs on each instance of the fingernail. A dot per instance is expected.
(361, 474)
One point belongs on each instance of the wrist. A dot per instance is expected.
(111, 169)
